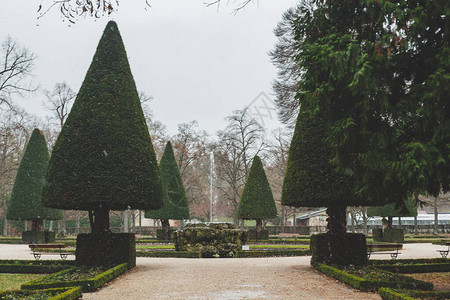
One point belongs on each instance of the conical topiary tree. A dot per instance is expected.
(174, 196)
(257, 201)
(25, 202)
(103, 158)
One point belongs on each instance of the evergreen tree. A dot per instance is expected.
(257, 201)
(25, 202)
(311, 180)
(174, 196)
(103, 158)
(390, 211)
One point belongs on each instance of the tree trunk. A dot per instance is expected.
(337, 219)
(400, 221)
(366, 230)
(258, 228)
(389, 224)
(37, 225)
(353, 222)
(416, 229)
(282, 218)
(133, 221)
(294, 221)
(166, 227)
(5, 220)
(435, 227)
(99, 219)
(140, 222)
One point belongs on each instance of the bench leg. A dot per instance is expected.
(37, 256)
(368, 255)
(63, 256)
(444, 254)
(394, 255)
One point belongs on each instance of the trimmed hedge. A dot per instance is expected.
(86, 285)
(371, 285)
(394, 294)
(409, 261)
(67, 293)
(181, 254)
(389, 235)
(416, 268)
(272, 253)
(263, 234)
(34, 266)
(339, 249)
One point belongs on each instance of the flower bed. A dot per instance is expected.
(67, 293)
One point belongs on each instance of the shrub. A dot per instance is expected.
(253, 234)
(340, 249)
(87, 285)
(397, 294)
(66, 293)
(272, 253)
(391, 279)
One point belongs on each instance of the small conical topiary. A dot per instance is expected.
(257, 201)
(174, 196)
(103, 158)
(25, 202)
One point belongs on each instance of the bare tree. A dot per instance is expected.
(59, 102)
(16, 64)
(238, 144)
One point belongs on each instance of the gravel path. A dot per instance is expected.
(234, 278)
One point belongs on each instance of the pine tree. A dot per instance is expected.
(257, 201)
(25, 202)
(103, 158)
(174, 196)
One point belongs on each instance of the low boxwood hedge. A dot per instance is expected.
(34, 266)
(67, 293)
(176, 254)
(272, 253)
(371, 284)
(86, 285)
(395, 294)
(406, 266)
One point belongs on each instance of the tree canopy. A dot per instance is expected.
(389, 210)
(378, 73)
(174, 196)
(104, 155)
(257, 201)
(25, 202)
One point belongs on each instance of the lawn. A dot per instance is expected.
(13, 281)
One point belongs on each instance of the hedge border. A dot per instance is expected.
(34, 266)
(395, 294)
(376, 262)
(86, 285)
(171, 254)
(416, 268)
(370, 285)
(68, 293)
(272, 253)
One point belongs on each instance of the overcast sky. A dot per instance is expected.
(196, 62)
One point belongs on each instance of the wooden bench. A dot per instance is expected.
(37, 254)
(371, 249)
(444, 253)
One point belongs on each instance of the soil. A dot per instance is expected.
(441, 281)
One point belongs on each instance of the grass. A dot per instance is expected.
(441, 281)
(13, 281)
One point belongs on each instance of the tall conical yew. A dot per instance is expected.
(174, 196)
(103, 158)
(25, 203)
(257, 201)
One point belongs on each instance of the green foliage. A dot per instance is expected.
(25, 202)
(272, 253)
(340, 249)
(380, 74)
(403, 294)
(417, 268)
(255, 235)
(389, 210)
(311, 180)
(29, 268)
(257, 201)
(87, 284)
(174, 196)
(370, 279)
(390, 235)
(64, 293)
(104, 155)
(175, 254)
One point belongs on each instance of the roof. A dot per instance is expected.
(309, 215)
